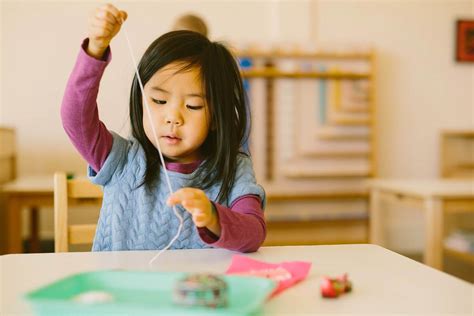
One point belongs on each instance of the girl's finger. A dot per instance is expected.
(181, 195)
(188, 192)
(123, 15)
(103, 24)
(106, 16)
(174, 199)
(193, 203)
(192, 210)
(114, 11)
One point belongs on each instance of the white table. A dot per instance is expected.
(435, 197)
(384, 282)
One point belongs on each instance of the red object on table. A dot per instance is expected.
(333, 287)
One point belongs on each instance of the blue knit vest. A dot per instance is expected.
(135, 217)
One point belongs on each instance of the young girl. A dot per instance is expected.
(197, 104)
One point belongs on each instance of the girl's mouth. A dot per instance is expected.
(171, 140)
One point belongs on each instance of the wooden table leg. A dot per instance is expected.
(34, 230)
(434, 233)
(14, 242)
(375, 219)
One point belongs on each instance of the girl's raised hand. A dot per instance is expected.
(104, 24)
(198, 205)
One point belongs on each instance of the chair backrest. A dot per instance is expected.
(68, 193)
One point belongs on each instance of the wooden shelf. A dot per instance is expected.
(280, 233)
(350, 121)
(8, 158)
(459, 133)
(290, 196)
(327, 217)
(282, 192)
(462, 170)
(464, 256)
(457, 154)
(273, 73)
(344, 108)
(341, 137)
(302, 55)
(458, 174)
(336, 154)
(337, 133)
(292, 173)
(354, 110)
(465, 165)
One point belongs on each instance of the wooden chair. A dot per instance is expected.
(68, 193)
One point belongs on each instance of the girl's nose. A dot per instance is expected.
(174, 119)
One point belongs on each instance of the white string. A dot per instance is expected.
(150, 263)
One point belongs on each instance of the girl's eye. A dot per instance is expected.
(158, 101)
(194, 107)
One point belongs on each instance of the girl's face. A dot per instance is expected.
(179, 112)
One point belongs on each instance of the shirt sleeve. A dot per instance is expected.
(243, 225)
(79, 111)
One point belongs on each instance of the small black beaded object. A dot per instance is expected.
(201, 290)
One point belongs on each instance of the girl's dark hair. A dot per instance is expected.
(225, 97)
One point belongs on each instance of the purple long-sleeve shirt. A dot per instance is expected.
(242, 224)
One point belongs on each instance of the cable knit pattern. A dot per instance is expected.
(137, 218)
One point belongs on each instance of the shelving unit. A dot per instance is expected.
(273, 73)
(273, 54)
(312, 141)
(457, 162)
(338, 154)
(336, 137)
(7, 173)
(466, 257)
(7, 154)
(457, 154)
(350, 121)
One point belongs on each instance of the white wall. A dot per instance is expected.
(40, 41)
(420, 89)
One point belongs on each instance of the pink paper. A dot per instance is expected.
(285, 273)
